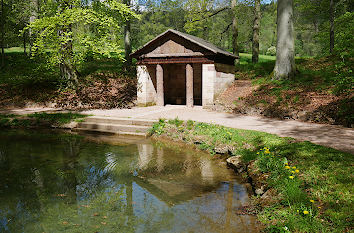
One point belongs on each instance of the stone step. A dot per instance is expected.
(120, 121)
(113, 128)
(110, 132)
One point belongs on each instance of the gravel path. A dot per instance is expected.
(337, 137)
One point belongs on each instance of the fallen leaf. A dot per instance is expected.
(65, 222)
(103, 223)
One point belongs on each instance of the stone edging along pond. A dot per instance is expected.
(286, 198)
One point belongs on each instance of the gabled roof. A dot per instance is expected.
(196, 40)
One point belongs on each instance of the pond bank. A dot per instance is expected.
(299, 186)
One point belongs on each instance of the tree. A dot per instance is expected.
(256, 25)
(235, 48)
(127, 41)
(331, 32)
(285, 58)
(34, 4)
(2, 33)
(73, 32)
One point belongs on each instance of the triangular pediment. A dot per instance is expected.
(173, 43)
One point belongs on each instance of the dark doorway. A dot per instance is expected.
(175, 84)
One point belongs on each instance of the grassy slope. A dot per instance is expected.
(325, 175)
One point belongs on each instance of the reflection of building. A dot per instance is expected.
(174, 177)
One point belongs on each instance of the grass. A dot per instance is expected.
(39, 119)
(321, 174)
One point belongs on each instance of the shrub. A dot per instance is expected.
(271, 51)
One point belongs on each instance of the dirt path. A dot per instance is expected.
(333, 136)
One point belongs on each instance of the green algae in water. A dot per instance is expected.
(54, 182)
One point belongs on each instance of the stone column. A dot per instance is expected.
(160, 100)
(189, 86)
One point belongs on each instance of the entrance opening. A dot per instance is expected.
(175, 84)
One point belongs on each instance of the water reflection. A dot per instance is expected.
(66, 183)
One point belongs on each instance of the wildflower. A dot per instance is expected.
(312, 201)
(319, 207)
(294, 167)
(306, 212)
(286, 164)
(287, 167)
(292, 171)
(297, 171)
(267, 152)
(291, 177)
(297, 211)
(257, 153)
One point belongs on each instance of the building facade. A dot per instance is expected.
(177, 68)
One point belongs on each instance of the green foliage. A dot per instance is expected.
(175, 122)
(70, 35)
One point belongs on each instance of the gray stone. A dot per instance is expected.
(235, 162)
(259, 191)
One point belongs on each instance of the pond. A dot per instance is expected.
(60, 182)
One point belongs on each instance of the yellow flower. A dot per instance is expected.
(257, 153)
(319, 207)
(297, 171)
(267, 152)
(286, 164)
(312, 201)
(294, 167)
(291, 177)
(297, 211)
(292, 171)
(287, 167)
(306, 212)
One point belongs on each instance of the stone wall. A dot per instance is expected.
(216, 78)
(209, 81)
(146, 84)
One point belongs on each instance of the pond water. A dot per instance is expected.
(59, 182)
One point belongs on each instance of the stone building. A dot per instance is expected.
(177, 68)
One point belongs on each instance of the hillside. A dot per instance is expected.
(318, 94)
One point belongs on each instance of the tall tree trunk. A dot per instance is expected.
(235, 48)
(2, 33)
(285, 61)
(34, 14)
(67, 69)
(256, 25)
(24, 44)
(127, 40)
(331, 32)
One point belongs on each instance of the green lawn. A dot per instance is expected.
(246, 58)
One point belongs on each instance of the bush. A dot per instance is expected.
(271, 51)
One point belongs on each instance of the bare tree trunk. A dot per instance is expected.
(256, 25)
(34, 14)
(127, 40)
(285, 61)
(235, 48)
(24, 44)
(2, 33)
(331, 32)
(67, 69)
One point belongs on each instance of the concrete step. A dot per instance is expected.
(113, 128)
(120, 121)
